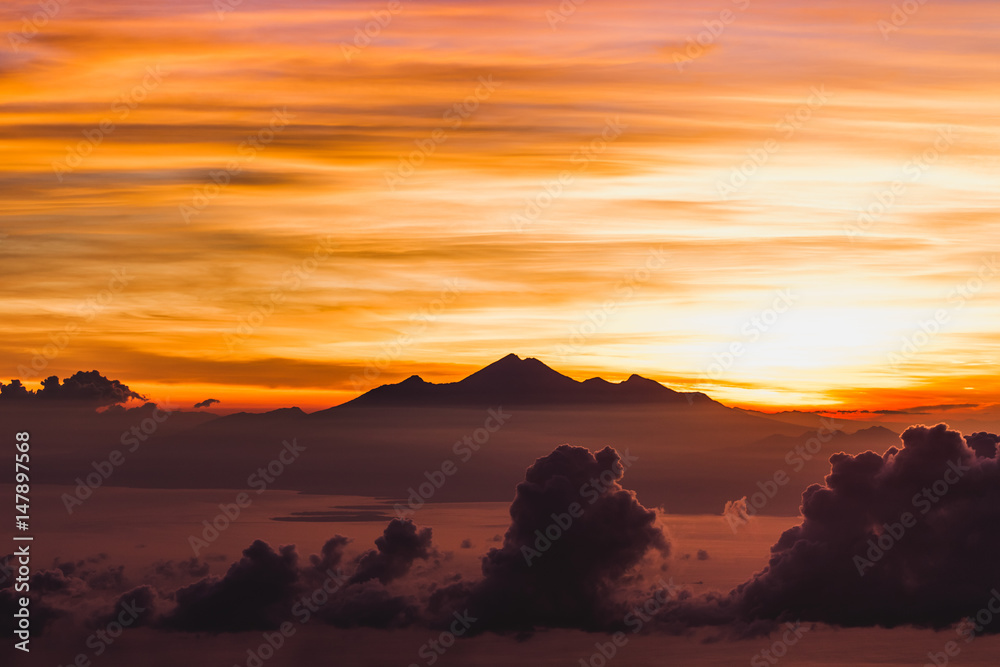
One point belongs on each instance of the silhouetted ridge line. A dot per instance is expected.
(513, 381)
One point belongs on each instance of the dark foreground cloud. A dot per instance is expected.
(135, 608)
(206, 403)
(56, 581)
(575, 535)
(255, 594)
(268, 587)
(400, 545)
(371, 605)
(908, 537)
(95, 571)
(983, 444)
(330, 555)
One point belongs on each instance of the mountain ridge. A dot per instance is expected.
(514, 381)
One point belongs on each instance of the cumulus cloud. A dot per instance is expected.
(90, 389)
(575, 534)
(206, 403)
(95, 572)
(15, 391)
(907, 537)
(56, 581)
(133, 609)
(331, 554)
(255, 594)
(396, 550)
(983, 444)
(269, 586)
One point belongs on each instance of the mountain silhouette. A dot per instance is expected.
(513, 381)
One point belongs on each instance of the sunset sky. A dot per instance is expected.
(247, 201)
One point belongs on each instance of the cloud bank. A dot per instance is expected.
(906, 537)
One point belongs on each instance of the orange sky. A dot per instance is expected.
(580, 204)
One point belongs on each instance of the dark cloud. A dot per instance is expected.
(90, 389)
(400, 545)
(369, 604)
(82, 566)
(15, 391)
(326, 565)
(56, 581)
(575, 534)
(207, 402)
(95, 572)
(983, 444)
(133, 609)
(907, 537)
(255, 594)
(267, 587)
(331, 554)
